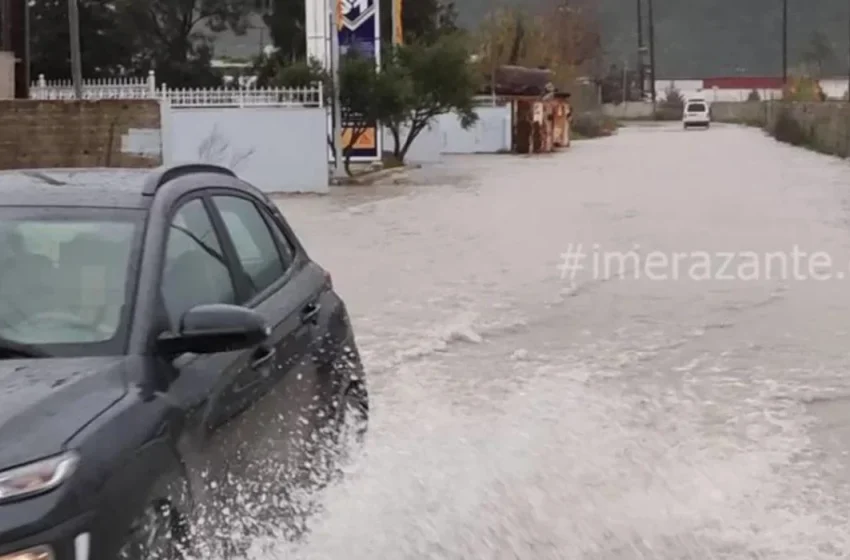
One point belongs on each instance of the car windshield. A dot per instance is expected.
(696, 108)
(64, 278)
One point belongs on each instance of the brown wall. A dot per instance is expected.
(107, 133)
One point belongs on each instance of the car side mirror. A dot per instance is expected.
(213, 328)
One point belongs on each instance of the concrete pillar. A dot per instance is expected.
(7, 75)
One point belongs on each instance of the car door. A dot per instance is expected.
(196, 270)
(276, 436)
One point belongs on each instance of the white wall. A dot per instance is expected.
(277, 149)
(834, 88)
(626, 111)
(741, 94)
(491, 134)
(688, 88)
(426, 148)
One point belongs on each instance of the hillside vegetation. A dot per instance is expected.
(700, 38)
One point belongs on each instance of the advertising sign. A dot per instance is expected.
(398, 28)
(358, 25)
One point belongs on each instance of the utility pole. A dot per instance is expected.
(625, 81)
(651, 15)
(784, 43)
(640, 68)
(76, 61)
(26, 79)
(333, 15)
(848, 68)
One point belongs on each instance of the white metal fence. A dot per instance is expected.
(146, 88)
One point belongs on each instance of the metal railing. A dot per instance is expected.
(146, 88)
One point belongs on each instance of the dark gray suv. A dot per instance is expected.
(168, 352)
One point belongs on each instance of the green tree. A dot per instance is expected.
(424, 20)
(424, 81)
(106, 49)
(673, 98)
(172, 36)
(366, 95)
(286, 22)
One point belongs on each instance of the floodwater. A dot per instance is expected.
(521, 415)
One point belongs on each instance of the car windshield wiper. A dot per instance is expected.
(10, 349)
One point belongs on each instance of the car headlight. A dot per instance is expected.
(38, 477)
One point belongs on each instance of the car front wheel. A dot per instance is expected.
(154, 535)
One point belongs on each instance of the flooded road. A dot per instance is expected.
(519, 414)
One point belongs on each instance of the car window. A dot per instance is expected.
(255, 247)
(696, 108)
(283, 242)
(64, 280)
(195, 270)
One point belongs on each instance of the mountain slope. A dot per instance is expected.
(700, 38)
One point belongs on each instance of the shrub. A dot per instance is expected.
(754, 96)
(591, 125)
(672, 106)
(788, 129)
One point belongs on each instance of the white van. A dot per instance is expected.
(697, 113)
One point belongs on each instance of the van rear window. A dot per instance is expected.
(696, 108)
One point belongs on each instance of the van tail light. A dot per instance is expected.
(328, 280)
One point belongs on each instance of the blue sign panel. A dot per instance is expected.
(359, 30)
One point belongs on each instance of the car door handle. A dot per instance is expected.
(310, 313)
(262, 356)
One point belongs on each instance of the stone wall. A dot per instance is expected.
(635, 110)
(107, 133)
(824, 127)
(752, 113)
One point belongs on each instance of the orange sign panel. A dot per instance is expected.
(398, 27)
(368, 140)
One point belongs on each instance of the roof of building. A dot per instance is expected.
(229, 45)
(520, 81)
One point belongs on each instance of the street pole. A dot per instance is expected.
(651, 15)
(641, 77)
(76, 60)
(27, 50)
(339, 170)
(784, 43)
(625, 81)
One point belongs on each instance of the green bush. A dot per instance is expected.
(668, 113)
(592, 125)
(788, 129)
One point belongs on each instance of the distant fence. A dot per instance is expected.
(146, 88)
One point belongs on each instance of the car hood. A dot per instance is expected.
(44, 402)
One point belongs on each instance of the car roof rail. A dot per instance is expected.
(164, 174)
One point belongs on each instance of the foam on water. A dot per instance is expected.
(565, 468)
